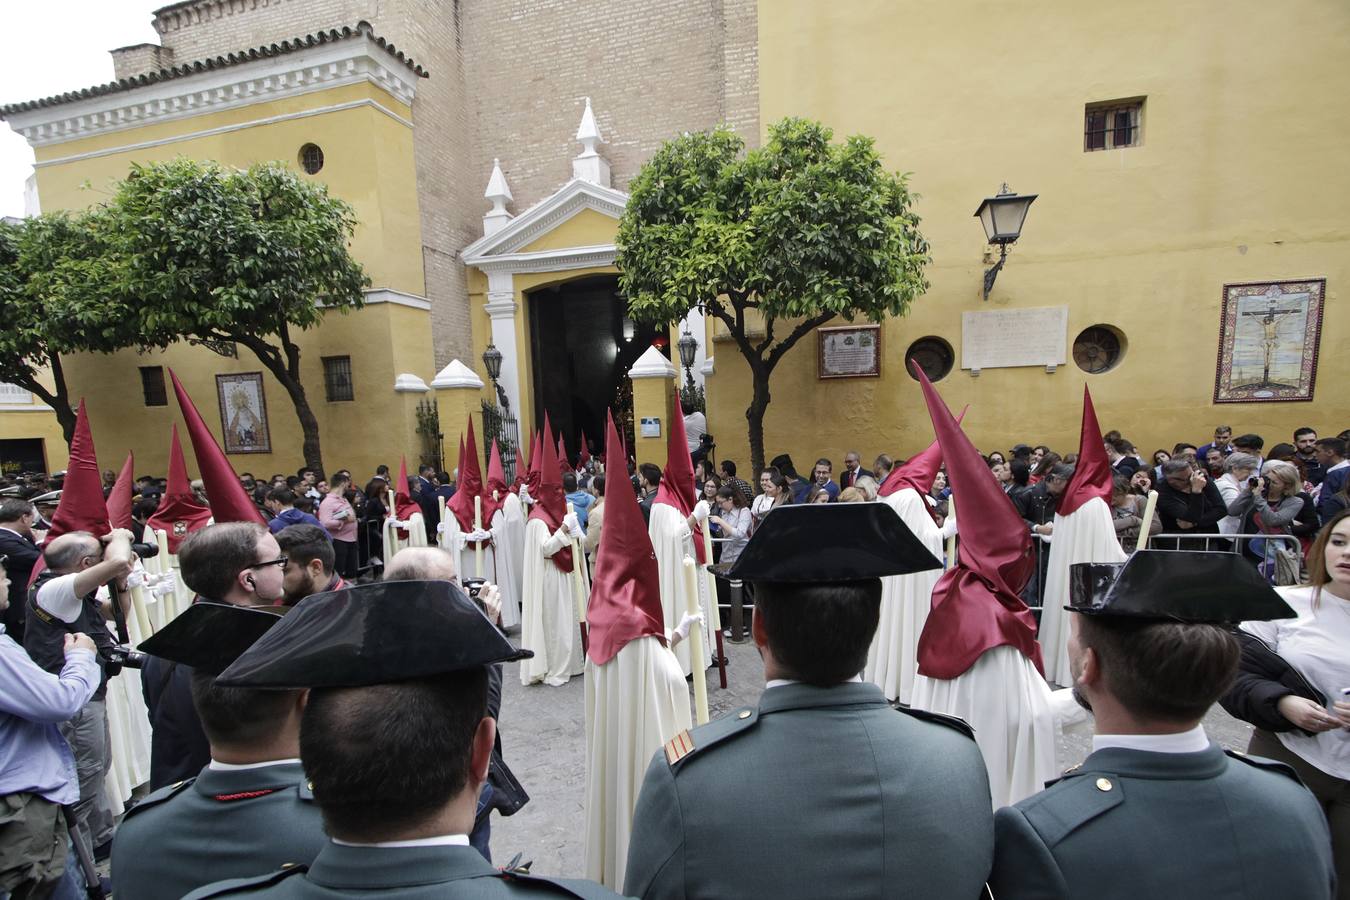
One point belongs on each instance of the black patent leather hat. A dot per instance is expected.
(210, 636)
(375, 633)
(835, 542)
(1178, 586)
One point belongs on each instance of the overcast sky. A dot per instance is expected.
(57, 46)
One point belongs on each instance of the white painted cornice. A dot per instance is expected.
(357, 59)
(456, 375)
(652, 364)
(408, 383)
(543, 217)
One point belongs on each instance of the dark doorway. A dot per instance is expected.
(581, 358)
(23, 455)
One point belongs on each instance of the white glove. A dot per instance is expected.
(525, 496)
(167, 584)
(441, 527)
(480, 535)
(491, 598)
(573, 526)
(701, 509)
(136, 579)
(682, 630)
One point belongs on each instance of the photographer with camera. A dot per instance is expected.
(64, 601)
(1274, 503)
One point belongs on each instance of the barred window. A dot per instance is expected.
(337, 378)
(311, 158)
(1113, 125)
(152, 386)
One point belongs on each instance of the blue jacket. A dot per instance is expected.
(581, 502)
(291, 517)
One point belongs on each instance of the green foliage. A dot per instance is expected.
(692, 399)
(213, 252)
(802, 227)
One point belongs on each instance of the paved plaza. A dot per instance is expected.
(544, 738)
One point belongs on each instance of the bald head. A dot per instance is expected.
(421, 564)
(65, 554)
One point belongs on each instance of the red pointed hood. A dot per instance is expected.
(625, 599)
(533, 474)
(180, 512)
(920, 471)
(404, 504)
(119, 501)
(496, 483)
(82, 507)
(677, 481)
(550, 505)
(459, 460)
(469, 486)
(564, 465)
(1092, 473)
(976, 606)
(229, 502)
(585, 456)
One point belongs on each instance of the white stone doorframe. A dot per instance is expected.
(501, 308)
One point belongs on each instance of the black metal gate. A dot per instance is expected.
(501, 424)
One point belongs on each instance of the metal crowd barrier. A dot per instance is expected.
(1234, 543)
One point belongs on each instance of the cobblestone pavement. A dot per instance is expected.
(544, 738)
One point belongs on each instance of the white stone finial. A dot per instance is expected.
(408, 383)
(652, 364)
(589, 165)
(499, 192)
(456, 375)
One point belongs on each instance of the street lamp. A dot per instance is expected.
(492, 360)
(688, 346)
(1002, 217)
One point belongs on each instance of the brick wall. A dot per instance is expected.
(139, 59)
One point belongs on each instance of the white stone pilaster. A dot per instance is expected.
(501, 309)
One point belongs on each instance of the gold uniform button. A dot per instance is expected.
(1103, 784)
(744, 714)
(310, 785)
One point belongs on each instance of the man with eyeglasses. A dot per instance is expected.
(239, 563)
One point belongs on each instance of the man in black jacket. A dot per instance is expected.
(1036, 505)
(19, 553)
(1188, 502)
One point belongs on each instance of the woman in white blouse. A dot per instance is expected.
(1312, 737)
(734, 521)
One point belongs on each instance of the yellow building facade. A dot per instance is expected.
(1223, 169)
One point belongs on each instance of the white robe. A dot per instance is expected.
(892, 660)
(667, 529)
(508, 536)
(635, 703)
(548, 619)
(1088, 534)
(1008, 703)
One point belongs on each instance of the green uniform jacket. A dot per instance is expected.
(399, 873)
(1136, 825)
(221, 824)
(821, 792)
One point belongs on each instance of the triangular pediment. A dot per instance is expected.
(529, 233)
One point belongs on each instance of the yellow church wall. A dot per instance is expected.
(1238, 179)
(588, 228)
(36, 421)
(368, 161)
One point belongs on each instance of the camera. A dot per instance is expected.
(1253, 482)
(472, 587)
(145, 551)
(122, 657)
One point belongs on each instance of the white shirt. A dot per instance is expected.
(240, 767)
(443, 840)
(1229, 489)
(695, 426)
(58, 597)
(1316, 645)
(784, 682)
(1192, 741)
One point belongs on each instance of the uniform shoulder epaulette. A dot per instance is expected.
(306, 790)
(245, 885)
(1269, 765)
(689, 742)
(155, 798)
(1076, 799)
(953, 722)
(566, 887)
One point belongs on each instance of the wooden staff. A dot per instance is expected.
(714, 611)
(440, 535)
(579, 586)
(1146, 522)
(478, 545)
(695, 638)
(951, 552)
(142, 614)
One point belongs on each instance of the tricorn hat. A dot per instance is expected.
(1176, 586)
(832, 543)
(210, 636)
(375, 633)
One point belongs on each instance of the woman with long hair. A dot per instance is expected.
(773, 494)
(1291, 685)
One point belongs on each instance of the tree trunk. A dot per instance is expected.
(309, 425)
(754, 416)
(58, 401)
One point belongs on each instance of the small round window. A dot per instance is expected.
(1098, 349)
(934, 356)
(311, 158)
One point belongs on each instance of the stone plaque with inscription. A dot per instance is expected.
(1014, 337)
(853, 351)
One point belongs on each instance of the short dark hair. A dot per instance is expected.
(423, 469)
(303, 544)
(13, 509)
(238, 716)
(652, 473)
(284, 496)
(1167, 671)
(783, 463)
(1253, 441)
(1331, 445)
(1304, 430)
(1021, 472)
(211, 558)
(825, 462)
(569, 482)
(338, 480)
(291, 481)
(1177, 448)
(389, 756)
(728, 468)
(144, 508)
(820, 633)
(300, 472)
(305, 504)
(598, 485)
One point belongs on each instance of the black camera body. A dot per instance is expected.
(473, 586)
